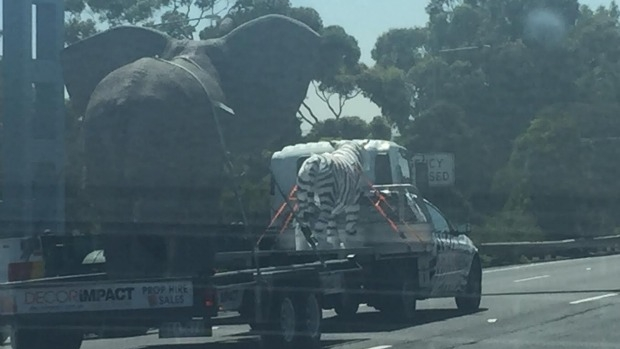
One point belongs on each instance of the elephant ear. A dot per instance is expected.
(266, 66)
(88, 61)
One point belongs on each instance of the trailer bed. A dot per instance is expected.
(96, 292)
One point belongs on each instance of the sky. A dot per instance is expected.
(366, 21)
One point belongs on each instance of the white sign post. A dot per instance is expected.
(440, 168)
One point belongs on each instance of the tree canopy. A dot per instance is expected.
(524, 93)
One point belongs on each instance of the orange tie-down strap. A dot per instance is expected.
(377, 206)
(291, 197)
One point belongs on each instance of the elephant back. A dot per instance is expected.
(153, 168)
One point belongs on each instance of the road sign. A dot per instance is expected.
(440, 168)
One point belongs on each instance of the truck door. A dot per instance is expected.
(447, 277)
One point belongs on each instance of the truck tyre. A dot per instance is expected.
(401, 304)
(470, 301)
(25, 338)
(347, 306)
(281, 332)
(67, 339)
(309, 318)
(46, 339)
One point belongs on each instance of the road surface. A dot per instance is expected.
(561, 305)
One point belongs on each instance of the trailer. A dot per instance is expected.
(58, 312)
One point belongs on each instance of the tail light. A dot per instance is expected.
(21, 271)
(210, 297)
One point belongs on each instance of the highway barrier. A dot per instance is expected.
(499, 253)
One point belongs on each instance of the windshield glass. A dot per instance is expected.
(290, 173)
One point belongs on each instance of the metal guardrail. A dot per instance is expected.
(543, 249)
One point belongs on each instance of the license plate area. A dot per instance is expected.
(185, 329)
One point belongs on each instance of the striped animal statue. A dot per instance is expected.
(329, 185)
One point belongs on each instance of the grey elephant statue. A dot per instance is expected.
(152, 105)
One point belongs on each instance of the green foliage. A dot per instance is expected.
(246, 10)
(252, 176)
(509, 226)
(524, 93)
(350, 127)
(563, 173)
(307, 15)
(346, 127)
(339, 62)
(387, 88)
(170, 16)
(380, 129)
(443, 128)
(77, 29)
(512, 88)
(400, 48)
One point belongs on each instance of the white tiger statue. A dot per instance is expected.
(329, 185)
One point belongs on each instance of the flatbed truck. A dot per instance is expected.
(280, 294)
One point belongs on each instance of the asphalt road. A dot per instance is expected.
(560, 305)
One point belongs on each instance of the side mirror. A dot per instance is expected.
(463, 229)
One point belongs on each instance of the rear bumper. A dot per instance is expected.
(92, 321)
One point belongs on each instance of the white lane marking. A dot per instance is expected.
(381, 347)
(532, 278)
(593, 298)
(504, 269)
(588, 269)
(492, 321)
(531, 265)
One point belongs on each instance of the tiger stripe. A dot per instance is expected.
(335, 180)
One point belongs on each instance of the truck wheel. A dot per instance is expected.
(25, 339)
(402, 305)
(281, 332)
(67, 339)
(309, 320)
(347, 306)
(470, 301)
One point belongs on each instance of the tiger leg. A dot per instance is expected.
(305, 206)
(320, 226)
(333, 235)
(352, 216)
(326, 203)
